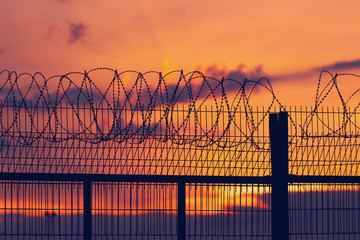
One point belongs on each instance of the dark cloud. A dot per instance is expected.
(215, 72)
(2, 51)
(180, 94)
(340, 66)
(76, 96)
(239, 73)
(77, 31)
(204, 84)
(314, 72)
(234, 78)
(295, 75)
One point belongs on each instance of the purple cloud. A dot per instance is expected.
(77, 31)
(338, 66)
(314, 72)
(238, 74)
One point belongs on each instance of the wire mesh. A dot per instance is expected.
(134, 211)
(41, 210)
(75, 147)
(324, 142)
(228, 211)
(324, 211)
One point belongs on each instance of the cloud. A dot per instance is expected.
(75, 96)
(239, 73)
(204, 84)
(235, 77)
(340, 66)
(2, 51)
(77, 31)
(314, 72)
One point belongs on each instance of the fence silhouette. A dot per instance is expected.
(145, 159)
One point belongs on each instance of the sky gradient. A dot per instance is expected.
(288, 42)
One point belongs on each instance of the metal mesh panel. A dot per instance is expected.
(46, 210)
(134, 211)
(324, 211)
(324, 142)
(228, 211)
(229, 147)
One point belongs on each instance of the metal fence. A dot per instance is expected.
(193, 160)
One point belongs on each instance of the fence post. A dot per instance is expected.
(278, 128)
(181, 220)
(87, 210)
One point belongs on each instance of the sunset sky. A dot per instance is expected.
(288, 41)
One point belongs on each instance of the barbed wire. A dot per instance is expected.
(145, 108)
(347, 111)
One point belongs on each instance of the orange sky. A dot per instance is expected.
(290, 40)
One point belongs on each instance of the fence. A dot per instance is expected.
(180, 161)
